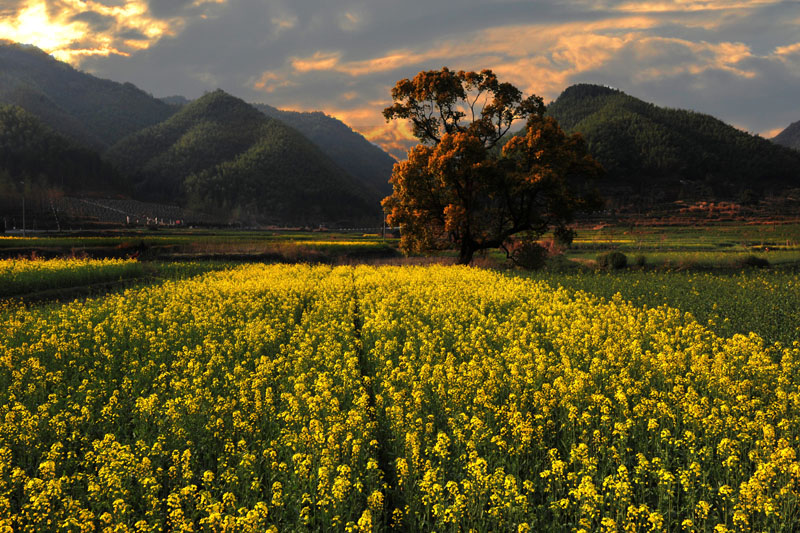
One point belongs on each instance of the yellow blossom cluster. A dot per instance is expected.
(299, 398)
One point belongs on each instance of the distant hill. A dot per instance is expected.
(176, 100)
(670, 153)
(790, 137)
(222, 155)
(80, 106)
(348, 148)
(33, 153)
(38, 166)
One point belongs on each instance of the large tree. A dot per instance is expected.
(459, 188)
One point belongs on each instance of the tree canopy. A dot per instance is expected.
(457, 188)
(438, 102)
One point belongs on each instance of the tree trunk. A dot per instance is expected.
(465, 253)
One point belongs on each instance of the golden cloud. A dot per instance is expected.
(68, 36)
(788, 50)
(691, 6)
(396, 138)
(269, 82)
(538, 58)
(704, 56)
(284, 23)
(351, 20)
(318, 61)
(572, 45)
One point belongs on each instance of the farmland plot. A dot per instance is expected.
(369, 399)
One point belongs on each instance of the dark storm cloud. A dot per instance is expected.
(167, 8)
(96, 21)
(111, 3)
(9, 8)
(132, 35)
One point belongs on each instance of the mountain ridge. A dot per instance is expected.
(345, 146)
(94, 111)
(220, 153)
(678, 153)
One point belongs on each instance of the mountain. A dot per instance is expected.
(93, 111)
(672, 153)
(790, 137)
(221, 155)
(33, 153)
(347, 148)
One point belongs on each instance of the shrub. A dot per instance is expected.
(753, 261)
(528, 254)
(563, 237)
(613, 260)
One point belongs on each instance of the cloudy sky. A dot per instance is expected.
(736, 59)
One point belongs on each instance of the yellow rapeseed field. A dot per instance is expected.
(21, 276)
(299, 398)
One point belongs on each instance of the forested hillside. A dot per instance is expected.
(93, 111)
(257, 163)
(674, 152)
(348, 148)
(39, 165)
(31, 152)
(220, 154)
(790, 137)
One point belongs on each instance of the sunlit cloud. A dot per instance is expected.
(671, 57)
(394, 137)
(690, 6)
(318, 61)
(269, 82)
(792, 49)
(33, 25)
(66, 29)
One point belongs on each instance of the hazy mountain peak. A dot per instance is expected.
(790, 137)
